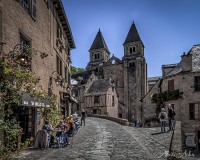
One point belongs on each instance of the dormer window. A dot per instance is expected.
(113, 61)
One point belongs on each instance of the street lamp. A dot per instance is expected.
(21, 55)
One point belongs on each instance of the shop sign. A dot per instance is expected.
(28, 100)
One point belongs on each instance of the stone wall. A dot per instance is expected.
(117, 120)
(42, 34)
(175, 150)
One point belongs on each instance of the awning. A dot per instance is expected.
(28, 100)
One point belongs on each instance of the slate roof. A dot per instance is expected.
(195, 51)
(82, 77)
(133, 35)
(99, 42)
(153, 78)
(169, 65)
(99, 86)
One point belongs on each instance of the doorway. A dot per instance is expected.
(95, 111)
(26, 117)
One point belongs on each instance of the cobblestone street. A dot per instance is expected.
(104, 140)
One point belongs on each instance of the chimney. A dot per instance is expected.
(186, 62)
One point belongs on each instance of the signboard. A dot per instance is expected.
(28, 100)
(190, 140)
(66, 95)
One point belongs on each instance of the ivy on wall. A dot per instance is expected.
(16, 78)
(162, 97)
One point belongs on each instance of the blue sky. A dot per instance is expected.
(167, 28)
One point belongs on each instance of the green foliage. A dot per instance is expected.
(15, 80)
(75, 70)
(163, 97)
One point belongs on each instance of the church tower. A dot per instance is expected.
(135, 74)
(99, 53)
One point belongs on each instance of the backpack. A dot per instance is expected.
(162, 115)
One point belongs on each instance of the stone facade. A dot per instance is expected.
(185, 77)
(129, 74)
(43, 26)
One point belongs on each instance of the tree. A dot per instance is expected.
(75, 70)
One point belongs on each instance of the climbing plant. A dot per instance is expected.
(162, 97)
(16, 78)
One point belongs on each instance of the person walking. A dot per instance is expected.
(83, 116)
(163, 118)
(171, 114)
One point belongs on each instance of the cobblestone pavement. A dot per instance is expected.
(106, 140)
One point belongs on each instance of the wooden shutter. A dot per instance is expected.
(33, 9)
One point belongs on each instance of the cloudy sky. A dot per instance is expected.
(167, 28)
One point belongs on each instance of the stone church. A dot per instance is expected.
(128, 75)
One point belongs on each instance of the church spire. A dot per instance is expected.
(133, 35)
(99, 42)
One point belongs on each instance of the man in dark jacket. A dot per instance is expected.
(171, 114)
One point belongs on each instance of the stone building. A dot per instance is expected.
(183, 77)
(129, 74)
(43, 26)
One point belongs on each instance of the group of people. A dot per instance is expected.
(163, 116)
(64, 129)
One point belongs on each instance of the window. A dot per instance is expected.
(65, 72)
(59, 31)
(58, 65)
(96, 99)
(171, 85)
(192, 111)
(25, 42)
(113, 101)
(133, 49)
(30, 7)
(131, 64)
(197, 83)
(113, 61)
(97, 56)
(130, 50)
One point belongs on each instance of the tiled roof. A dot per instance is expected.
(99, 42)
(133, 35)
(100, 86)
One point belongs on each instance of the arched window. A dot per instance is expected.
(133, 49)
(113, 61)
(95, 56)
(98, 56)
(132, 64)
(96, 70)
(130, 50)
